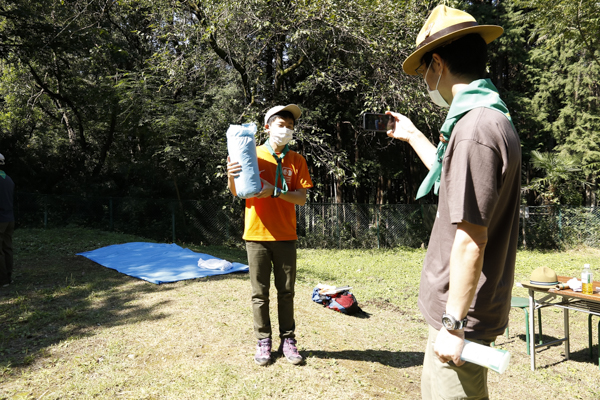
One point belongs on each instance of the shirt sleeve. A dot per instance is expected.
(473, 174)
(303, 180)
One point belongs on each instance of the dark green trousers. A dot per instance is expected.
(279, 257)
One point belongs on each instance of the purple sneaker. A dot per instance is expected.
(288, 345)
(263, 351)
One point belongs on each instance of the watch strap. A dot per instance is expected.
(458, 324)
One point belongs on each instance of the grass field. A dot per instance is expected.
(71, 329)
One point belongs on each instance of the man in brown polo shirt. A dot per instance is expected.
(468, 272)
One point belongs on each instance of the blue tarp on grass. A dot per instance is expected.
(156, 262)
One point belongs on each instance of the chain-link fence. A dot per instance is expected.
(550, 227)
(159, 219)
(364, 225)
(320, 225)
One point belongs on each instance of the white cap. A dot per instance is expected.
(1, 159)
(294, 109)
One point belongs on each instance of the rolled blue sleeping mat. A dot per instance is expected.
(242, 148)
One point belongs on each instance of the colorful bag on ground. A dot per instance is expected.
(242, 148)
(343, 301)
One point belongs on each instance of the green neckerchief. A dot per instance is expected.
(2, 174)
(279, 172)
(479, 93)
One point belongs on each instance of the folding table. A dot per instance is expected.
(566, 299)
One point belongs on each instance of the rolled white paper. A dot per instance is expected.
(494, 359)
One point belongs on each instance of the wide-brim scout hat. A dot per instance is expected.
(294, 109)
(444, 25)
(543, 277)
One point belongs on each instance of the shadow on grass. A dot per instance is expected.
(394, 359)
(361, 314)
(582, 356)
(226, 253)
(58, 300)
(58, 296)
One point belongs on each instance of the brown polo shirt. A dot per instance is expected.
(480, 184)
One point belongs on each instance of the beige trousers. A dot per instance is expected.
(446, 381)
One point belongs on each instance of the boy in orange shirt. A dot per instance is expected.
(270, 230)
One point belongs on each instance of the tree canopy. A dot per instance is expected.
(133, 97)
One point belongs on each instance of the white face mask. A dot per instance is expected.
(435, 95)
(281, 136)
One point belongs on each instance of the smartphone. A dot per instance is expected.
(378, 122)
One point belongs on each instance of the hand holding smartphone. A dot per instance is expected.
(378, 122)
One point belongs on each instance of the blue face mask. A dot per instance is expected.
(435, 95)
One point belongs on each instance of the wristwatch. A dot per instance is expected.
(451, 323)
(276, 192)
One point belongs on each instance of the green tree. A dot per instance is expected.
(563, 72)
(579, 20)
(561, 182)
(62, 63)
(135, 97)
(335, 61)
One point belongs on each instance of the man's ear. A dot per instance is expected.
(438, 63)
(441, 63)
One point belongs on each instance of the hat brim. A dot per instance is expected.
(489, 33)
(550, 285)
(294, 109)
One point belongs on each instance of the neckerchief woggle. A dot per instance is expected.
(479, 93)
(279, 171)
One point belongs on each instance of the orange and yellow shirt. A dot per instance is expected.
(274, 219)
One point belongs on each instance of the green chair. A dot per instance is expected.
(523, 304)
(590, 338)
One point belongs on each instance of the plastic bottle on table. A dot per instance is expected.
(586, 280)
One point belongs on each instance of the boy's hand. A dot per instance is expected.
(267, 190)
(404, 128)
(233, 168)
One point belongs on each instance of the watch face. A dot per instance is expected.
(448, 323)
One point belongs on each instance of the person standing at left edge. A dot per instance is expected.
(270, 230)
(7, 226)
